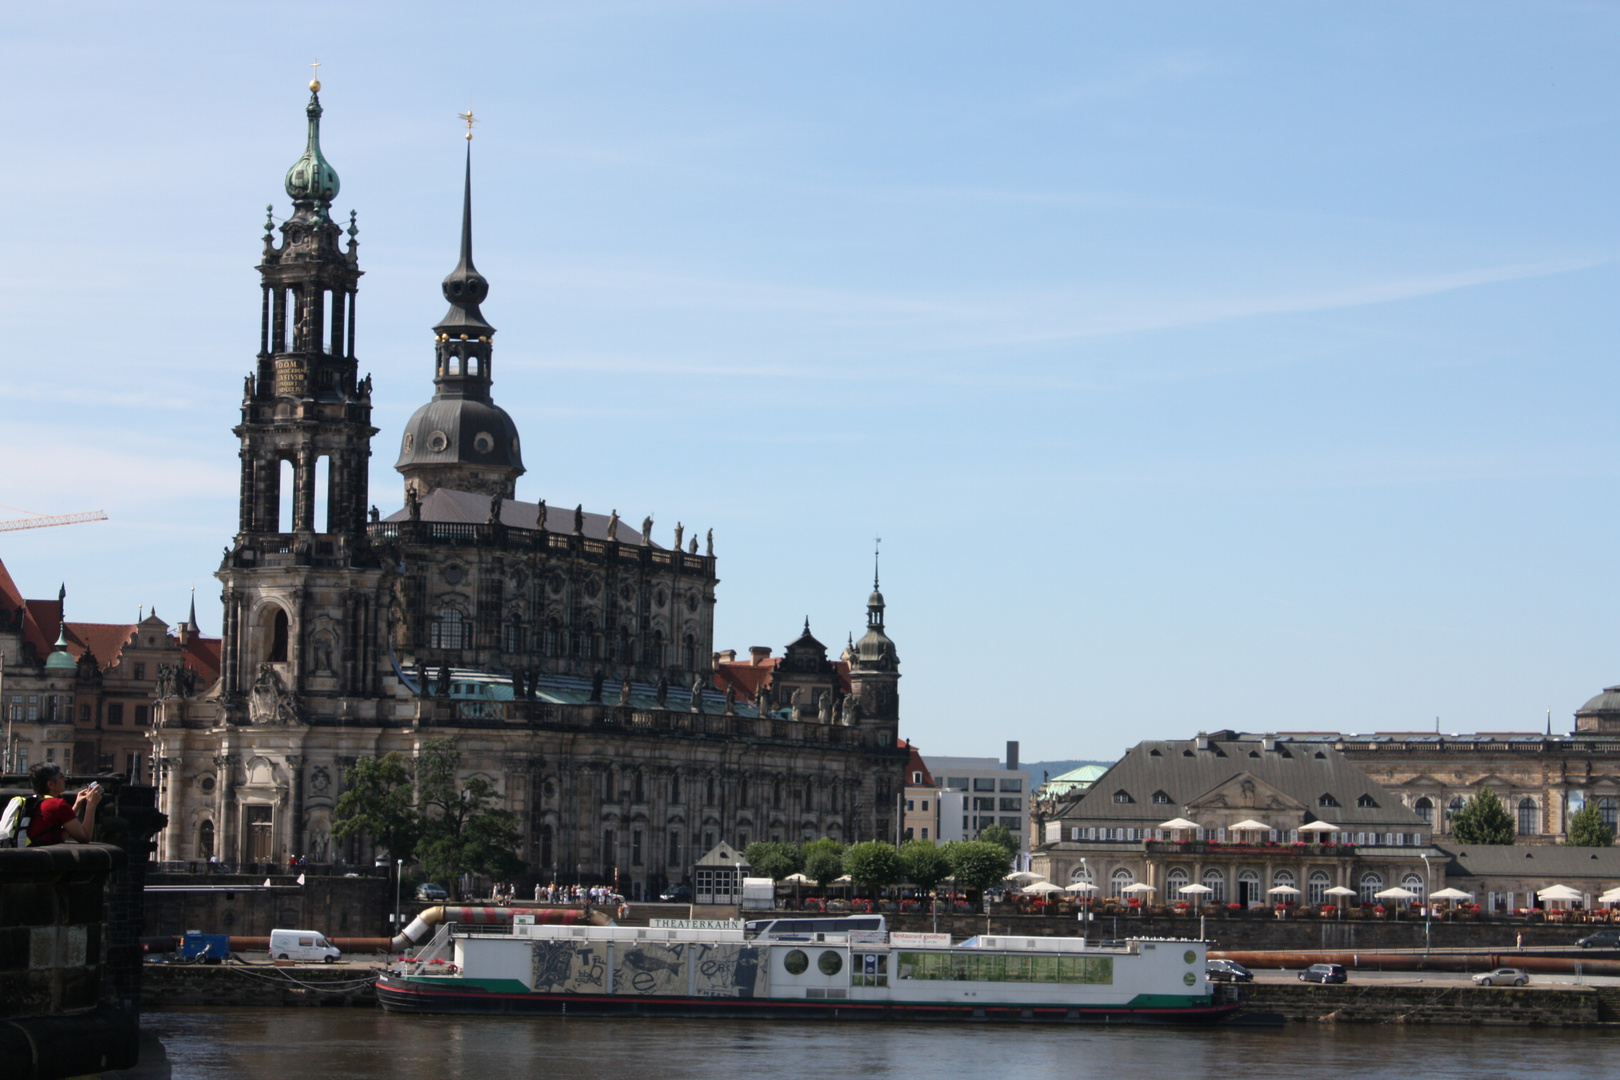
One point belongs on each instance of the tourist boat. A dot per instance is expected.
(837, 968)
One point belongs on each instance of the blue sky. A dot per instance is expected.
(1200, 365)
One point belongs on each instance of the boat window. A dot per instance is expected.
(796, 962)
(869, 969)
(962, 966)
(830, 962)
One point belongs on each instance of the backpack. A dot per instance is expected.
(14, 822)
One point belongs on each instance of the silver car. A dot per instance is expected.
(1503, 977)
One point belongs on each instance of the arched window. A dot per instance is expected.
(1457, 803)
(1248, 887)
(809, 796)
(449, 630)
(1413, 883)
(689, 652)
(1319, 885)
(1371, 884)
(1609, 811)
(742, 791)
(1425, 810)
(553, 638)
(278, 637)
(1119, 880)
(776, 795)
(675, 788)
(1174, 882)
(625, 650)
(607, 785)
(1283, 878)
(640, 788)
(545, 845)
(1529, 817)
(1215, 882)
(655, 649)
(710, 801)
(512, 634)
(1081, 873)
(205, 840)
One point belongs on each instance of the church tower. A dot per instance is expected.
(301, 587)
(462, 440)
(874, 666)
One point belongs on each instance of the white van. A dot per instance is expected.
(301, 945)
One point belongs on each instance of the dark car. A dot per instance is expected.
(430, 891)
(1503, 977)
(1603, 939)
(1324, 973)
(677, 894)
(1227, 971)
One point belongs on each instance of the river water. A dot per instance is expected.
(360, 1044)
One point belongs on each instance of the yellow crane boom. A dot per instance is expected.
(45, 522)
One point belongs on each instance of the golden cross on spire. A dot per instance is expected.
(468, 119)
(315, 80)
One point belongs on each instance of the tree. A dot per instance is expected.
(772, 859)
(1586, 828)
(924, 864)
(379, 802)
(823, 860)
(872, 863)
(998, 834)
(977, 864)
(463, 831)
(1482, 820)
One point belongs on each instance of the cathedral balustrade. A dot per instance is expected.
(502, 537)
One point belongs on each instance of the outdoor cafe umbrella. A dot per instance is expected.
(1610, 897)
(1196, 890)
(1282, 890)
(1451, 894)
(1080, 887)
(1395, 893)
(797, 880)
(1249, 825)
(1023, 877)
(1139, 887)
(1319, 827)
(1041, 887)
(1339, 890)
(1560, 892)
(1180, 824)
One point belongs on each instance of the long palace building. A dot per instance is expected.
(569, 655)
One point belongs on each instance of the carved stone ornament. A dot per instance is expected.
(268, 701)
(320, 780)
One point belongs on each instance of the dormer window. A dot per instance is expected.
(1161, 798)
(1326, 800)
(1365, 802)
(1123, 796)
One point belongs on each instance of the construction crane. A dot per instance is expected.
(42, 521)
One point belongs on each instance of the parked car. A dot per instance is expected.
(1603, 939)
(677, 894)
(1502, 977)
(429, 891)
(1227, 971)
(1324, 973)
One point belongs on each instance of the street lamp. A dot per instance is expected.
(399, 869)
(1428, 901)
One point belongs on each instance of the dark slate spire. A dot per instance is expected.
(465, 287)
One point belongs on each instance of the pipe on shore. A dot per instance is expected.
(1409, 961)
(491, 916)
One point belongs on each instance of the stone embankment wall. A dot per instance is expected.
(1257, 933)
(1466, 1004)
(174, 986)
(239, 905)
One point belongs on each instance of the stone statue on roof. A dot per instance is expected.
(540, 516)
(613, 526)
(494, 509)
(646, 530)
(697, 695)
(596, 685)
(680, 530)
(662, 690)
(710, 551)
(444, 681)
(694, 545)
(624, 691)
(731, 699)
(413, 505)
(579, 519)
(824, 708)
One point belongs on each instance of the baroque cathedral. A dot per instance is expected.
(568, 655)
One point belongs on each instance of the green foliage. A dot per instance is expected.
(1586, 828)
(924, 864)
(1482, 820)
(425, 814)
(823, 860)
(977, 864)
(872, 863)
(997, 834)
(378, 801)
(464, 830)
(772, 859)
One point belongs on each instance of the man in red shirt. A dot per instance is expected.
(57, 819)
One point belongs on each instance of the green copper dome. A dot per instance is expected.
(61, 659)
(311, 176)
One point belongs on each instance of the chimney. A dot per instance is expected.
(1268, 742)
(758, 654)
(1202, 742)
(1012, 755)
(725, 656)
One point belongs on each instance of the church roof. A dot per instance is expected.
(469, 508)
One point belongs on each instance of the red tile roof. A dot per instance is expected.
(749, 678)
(202, 656)
(916, 764)
(106, 640)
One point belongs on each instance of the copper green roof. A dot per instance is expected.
(312, 176)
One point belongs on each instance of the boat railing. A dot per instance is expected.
(436, 948)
